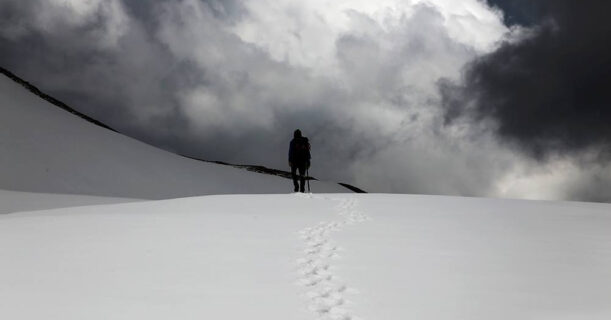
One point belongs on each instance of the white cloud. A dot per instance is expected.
(358, 77)
(366, 69)
(304, 33)
(560, 178)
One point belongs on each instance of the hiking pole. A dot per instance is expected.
(308, 177)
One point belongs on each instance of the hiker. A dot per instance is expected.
(299, 159)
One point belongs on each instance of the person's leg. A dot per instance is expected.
(294, 176)
(302, 169)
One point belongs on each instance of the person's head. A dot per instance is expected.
(297, 134)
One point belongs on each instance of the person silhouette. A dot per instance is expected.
(299, 159)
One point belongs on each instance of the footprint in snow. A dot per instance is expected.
(326, 294)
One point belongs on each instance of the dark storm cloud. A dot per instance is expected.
(113, 78)
(65, 59)
(231, 80)
(548, 92)
(136, 84)
(519, 12)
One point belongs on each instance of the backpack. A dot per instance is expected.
(302, 149)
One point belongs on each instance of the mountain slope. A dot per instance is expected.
(46, 149)
(14, 201)
(309, 257)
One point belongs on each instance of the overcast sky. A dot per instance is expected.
(503, 98)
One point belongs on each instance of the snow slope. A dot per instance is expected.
(13, 201)
(46, 149)
(329, 256)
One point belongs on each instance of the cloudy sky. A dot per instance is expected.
(504, 98)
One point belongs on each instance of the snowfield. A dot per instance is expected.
(324, 256)
(13, 201)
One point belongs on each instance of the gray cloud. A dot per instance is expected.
(547, 93)
(518, 12)
(231, 80)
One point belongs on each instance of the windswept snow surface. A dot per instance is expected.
(328, 256)
(13, 201)
(48, 150)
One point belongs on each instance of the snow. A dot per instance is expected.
(94, 249)
(13, 201)
(45, 149)
(461, 258)
(324, 256)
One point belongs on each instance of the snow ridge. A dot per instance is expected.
(326, 293)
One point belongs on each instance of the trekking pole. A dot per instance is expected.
(308, 177)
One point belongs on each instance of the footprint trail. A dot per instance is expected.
(325, 292)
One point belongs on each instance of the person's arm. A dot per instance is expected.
(291, 154)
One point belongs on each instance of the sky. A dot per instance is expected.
(497, 98)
